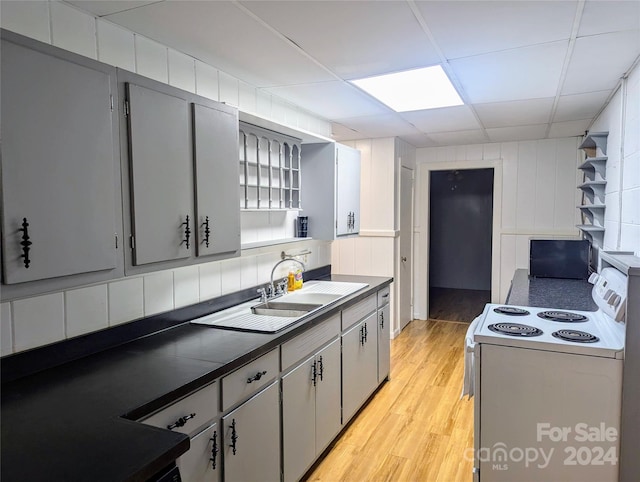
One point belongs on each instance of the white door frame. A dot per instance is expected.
(411, 264)
(421, 216)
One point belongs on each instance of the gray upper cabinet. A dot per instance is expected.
(331, 190)
(61, 212)
(217, 189)
(161, 175)
(180, 165)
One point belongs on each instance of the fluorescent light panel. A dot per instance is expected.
(418, 89)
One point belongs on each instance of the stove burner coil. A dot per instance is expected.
(575, 336)
(515, 329)
(511, 310)
(563, 316)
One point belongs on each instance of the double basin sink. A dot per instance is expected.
(279, 313)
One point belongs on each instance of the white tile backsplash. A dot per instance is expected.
(116, 46)
(27, 18)
(38, 321)
(158, 292)
(6, 330)
(86, 310)
(248, 272)
(210, 282)
(151, 59)
(186, 286)
(206, 80)
(182, 71)
(230, 275)
(73, 30)
(126, 300)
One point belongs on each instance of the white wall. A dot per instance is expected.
(539, 199)
(40, 320)
(621, 118)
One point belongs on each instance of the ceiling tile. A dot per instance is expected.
(384, 125)
(600, 60)
(515, 113)
(524, 73)
(443, 120)
(458, 137)
(609, 16)
(469, 28)
(221, 34)
(332, 100)
(354, 39)
(518, 133)
(106, 7)
(569, 129)
(580, 106)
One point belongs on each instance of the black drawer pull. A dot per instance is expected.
(25, 243)
(256, 377)
(214, 450)
(181, 421)
(234, 436)
(321, 366)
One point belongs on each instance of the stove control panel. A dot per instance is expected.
(610, 292)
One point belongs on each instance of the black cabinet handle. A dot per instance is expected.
(314, 373)
(181, 421)
(382, 319)
(25, 243)
(321, 367)
(214, 450)
(234, 436)
(256, 377)
(187, 232)
(362, 339)
(207, 231)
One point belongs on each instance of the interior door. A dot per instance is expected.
(406, 247)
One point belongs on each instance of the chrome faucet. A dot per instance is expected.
(284, 258)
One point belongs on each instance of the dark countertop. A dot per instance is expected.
(76, 421)
(562, 294)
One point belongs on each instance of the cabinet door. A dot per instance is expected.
(327, 395)
(347, 190)
(384, 342)
(299, 418)
(359, 365)
(216, 173)
(59, 167)
(254, 430)
(161, 180)
(201, 463)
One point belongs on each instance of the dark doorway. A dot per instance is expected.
(460, 237)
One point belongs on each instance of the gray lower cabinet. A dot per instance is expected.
(384, 338)
(252, 438)
(310, 409)
(359, 365)
(202, 462)
(61, 212)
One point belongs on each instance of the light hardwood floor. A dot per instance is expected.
(416, 428)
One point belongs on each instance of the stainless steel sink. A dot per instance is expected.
(283, 308)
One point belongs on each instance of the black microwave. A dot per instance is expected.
(559, 258)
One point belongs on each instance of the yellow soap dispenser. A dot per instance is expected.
(291, 282)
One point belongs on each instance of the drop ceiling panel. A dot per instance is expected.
(580, 106)
(354, 39)
(518, 133)
(220, 34)
(609, 16)
(599, 61)
(569, 129)
(515, 113)
(332, 100)
(385, 125)
(524, 73)
(458, 137)
(443, 120)
(468, 28)
(106, 7)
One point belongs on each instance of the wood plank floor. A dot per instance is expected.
(456, 305)
(416, 428)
